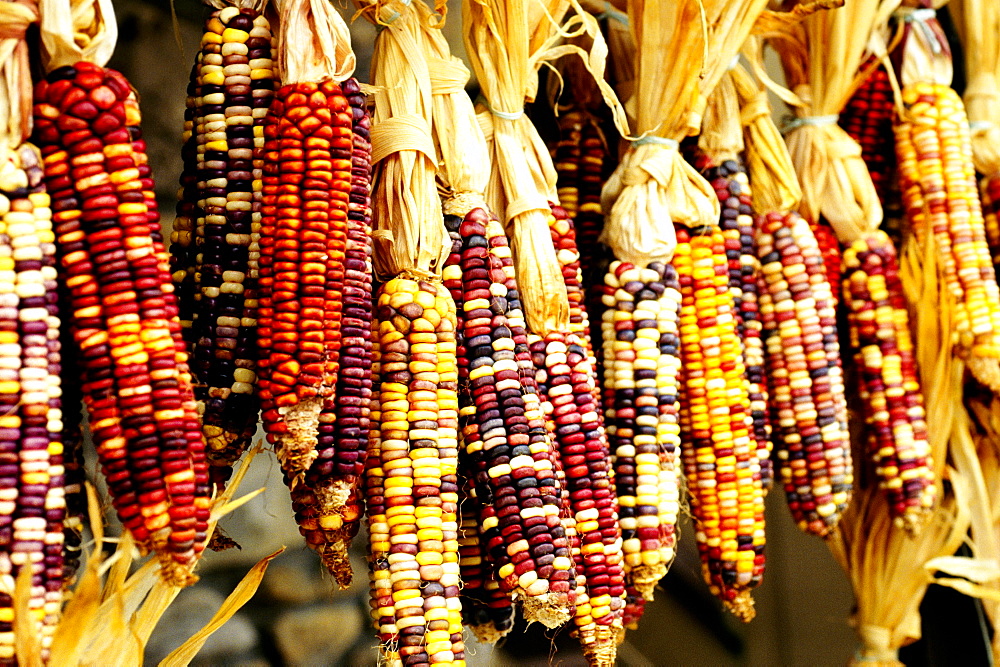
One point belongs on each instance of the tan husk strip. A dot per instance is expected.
(821, 57)
(314, 43)
(653, 186)
(775, 187)
(507, 41)
(408, 226)
(979, 23)
(721, 135)
(15, 72)
(75, 30)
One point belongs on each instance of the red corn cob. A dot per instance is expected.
(867, 117)
(136, 384)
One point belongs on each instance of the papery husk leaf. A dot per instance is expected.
(245, 590)
(979, 24)
(975, 570)
(926, 55)
(498, 41)
(683, 50)
(721, 135)
(15, 71)
(75, 30)
(465, 158)
(771, 21)
(27, 643)
(408, 229)
(314, 43)
(821, 57)
(775, 185)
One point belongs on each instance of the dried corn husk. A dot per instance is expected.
(507, 41)
(464, 170)
(15, 71)
(721, 135)
(821, 57)
(314, 43)
(653, 186)
(979, 24)
(409, 233)
(75, 30)
(775, 186)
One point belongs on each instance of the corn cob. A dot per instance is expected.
(890, 390)
(731, 185)
(329, 505)
(989, 190)
(635, 605)
(564, 239)
(808, 406)
(135, 375)
(641, 372)
(722, 468)
(32, 503)
(486, 609)
(564, 377)
(937, 179)
(867, 118)
(533, 560)
(419, 447)
(829, 247)
(215, 242)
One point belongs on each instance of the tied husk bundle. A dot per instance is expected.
(464, 169)
(721, 135)
(15, 71)
(408, 226)
(75, 30)
(821, 58)
(507, 42)
(654, 188)
(769, 167)
(978, 22)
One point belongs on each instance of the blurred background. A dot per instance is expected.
(297, 618)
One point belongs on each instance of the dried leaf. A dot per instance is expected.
(979, 25)
(245, 590)
(721, 135)
(75, 30)
(27, 644)
(314, 42)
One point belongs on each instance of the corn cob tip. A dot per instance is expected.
(742, 606)
(488, 633)
(298, 449)
(174, 573)
(600, 644)
(550, 609)
(645, 578)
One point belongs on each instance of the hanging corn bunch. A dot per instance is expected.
(798, 329)
(417, 342)
(215, 243)
(655, 199)
(508, 454)
(507, 40)
(136, 383)
(315, 280)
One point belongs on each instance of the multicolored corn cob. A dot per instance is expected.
(732, 186)
(136, 383)
(989, 191)
(941, 198)
(565, 380)
(720, 458)
(418, 401)
(890, 388)
(829, 247)
(486, 609)
(215, 243)
(329, 505)
(564, 239)
(642, 364)
(868, 117)
(530, 548)
(808, 407)
(32, 501)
